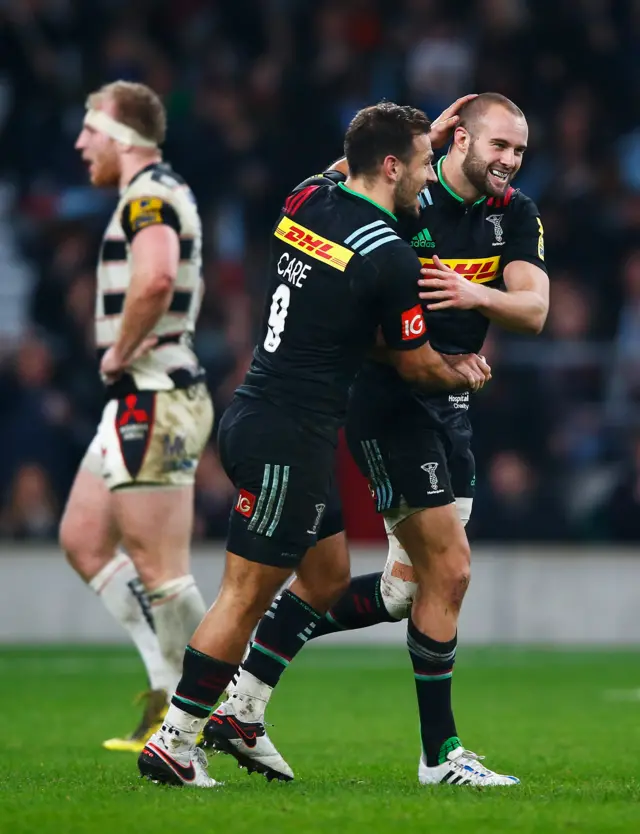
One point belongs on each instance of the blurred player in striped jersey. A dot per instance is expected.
(134, 488)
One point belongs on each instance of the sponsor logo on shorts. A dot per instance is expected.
(460, 400)
(174, 454)
(478, 270)
(245, 503)
(134, 421)
(413, 325)
(431, 470)
(320, 508)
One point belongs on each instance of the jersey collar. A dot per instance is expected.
(368, 199)
(449, 190)
(144, 170)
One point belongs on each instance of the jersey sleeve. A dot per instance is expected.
(525, 239)
(141, 212)
(398, 307)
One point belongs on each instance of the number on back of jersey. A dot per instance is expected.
(277, 317)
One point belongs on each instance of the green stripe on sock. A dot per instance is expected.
(334, 622)
(269, 653)
(434, 677)
(193, 703)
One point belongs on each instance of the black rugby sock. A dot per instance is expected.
(433, 667)
(203, 681)
(359, 607)
(282, 632)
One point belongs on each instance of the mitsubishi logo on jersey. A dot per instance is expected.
(496, 221)
(138, 415)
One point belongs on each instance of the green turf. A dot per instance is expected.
(565, 722)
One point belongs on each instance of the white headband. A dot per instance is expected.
(99, 120)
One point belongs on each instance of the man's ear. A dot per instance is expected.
(391, 167)
(461, 138)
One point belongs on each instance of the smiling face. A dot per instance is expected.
(414, 175)
(495, 150)
(100, 152)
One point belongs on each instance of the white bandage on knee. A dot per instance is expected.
(464, 506)
(398, 583)
(177, 608)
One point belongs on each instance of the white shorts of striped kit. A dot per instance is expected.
(151, 438)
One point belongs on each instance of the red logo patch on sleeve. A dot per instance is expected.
(413, 324)
(245, 503)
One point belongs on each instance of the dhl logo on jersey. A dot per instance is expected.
(318, 247)
(478, 270)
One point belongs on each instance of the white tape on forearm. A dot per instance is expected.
(99, 120)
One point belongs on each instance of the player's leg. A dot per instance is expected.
(387, 596)
(398, 582)
(156, 529)
(437, 544)
(90, 538)
(283, 474)
(283, 631)
(320, 580)
(152, 447)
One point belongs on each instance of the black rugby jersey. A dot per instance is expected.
(337, 270)
(477, 240)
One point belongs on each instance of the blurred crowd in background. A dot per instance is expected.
(259, 93)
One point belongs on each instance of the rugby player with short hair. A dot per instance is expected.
(337, 271)
(481, 244)
(134, 487)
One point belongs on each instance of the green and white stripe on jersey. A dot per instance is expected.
(266, 517)
(370, 237)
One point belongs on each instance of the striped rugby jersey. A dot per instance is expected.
(156, 195)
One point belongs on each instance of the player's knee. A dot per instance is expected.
(73, 542)
(250, 591)
(454, 576)
(323, 593)
(398, 582)
(81, 551)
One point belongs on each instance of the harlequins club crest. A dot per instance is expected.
(496, 221)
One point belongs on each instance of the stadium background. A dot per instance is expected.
(258, 95)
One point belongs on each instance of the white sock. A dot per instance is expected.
(180, 729)
(123, 595)
(249, 696)
(177, 608)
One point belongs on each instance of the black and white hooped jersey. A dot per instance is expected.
(156, 195)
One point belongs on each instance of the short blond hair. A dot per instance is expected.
(137, 106)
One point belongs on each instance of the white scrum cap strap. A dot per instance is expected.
(99, 120)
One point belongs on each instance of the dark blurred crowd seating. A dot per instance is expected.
(259, 93)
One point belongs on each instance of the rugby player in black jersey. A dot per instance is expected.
(337, 271)
(481, 244)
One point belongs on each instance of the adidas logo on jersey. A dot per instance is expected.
(423, 240)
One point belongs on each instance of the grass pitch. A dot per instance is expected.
(566, 723)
